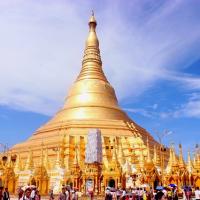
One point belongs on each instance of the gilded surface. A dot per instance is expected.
(55, 153)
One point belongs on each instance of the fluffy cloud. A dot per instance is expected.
(42, 45)
(191, 108)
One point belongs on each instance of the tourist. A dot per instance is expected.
(74, 195)
(160, 196)
(140, 194)
(37, 195)
(6, 195)
(108, 195)
(151, 194)
(188, 193)
(67, 192)
(33, 192)
(27, 194)
(90, 194)
(197, 193)
(114, 195)
(169, 194)
(144, 196)
(51, 195)
(20, 193)
(175, 194)
(62, 195)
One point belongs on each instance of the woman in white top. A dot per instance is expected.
(197, 193)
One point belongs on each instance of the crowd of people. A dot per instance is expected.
(25, 193)
(67, 193)
(161, 193)
(28, 193)
(4, 194)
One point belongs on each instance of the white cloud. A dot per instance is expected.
(190, 109)
(42, 45)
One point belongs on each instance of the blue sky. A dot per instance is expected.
(150, 52)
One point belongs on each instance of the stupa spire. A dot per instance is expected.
(170, 161)
(18, 165)
(9, 162)
(181, 160)
(154, 155)
(92, 64)
(29, 162)
(174, 159)
(189, 163)
(46, 160)
(141, 158)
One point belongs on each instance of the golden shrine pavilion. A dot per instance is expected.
(55, 154)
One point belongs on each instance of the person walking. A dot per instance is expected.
(62, 195)
(160, 196)
(75, 195)
(51, 195)
(67, 193)
(6, 195)
(197, 193)
(37, 195)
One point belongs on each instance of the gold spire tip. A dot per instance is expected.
(92, 19)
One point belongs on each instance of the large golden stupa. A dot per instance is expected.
(55, 154)
(91, 103)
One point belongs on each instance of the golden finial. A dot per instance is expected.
(92, 19)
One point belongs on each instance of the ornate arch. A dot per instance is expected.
(41, 178)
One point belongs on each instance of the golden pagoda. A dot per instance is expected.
(91, 104)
